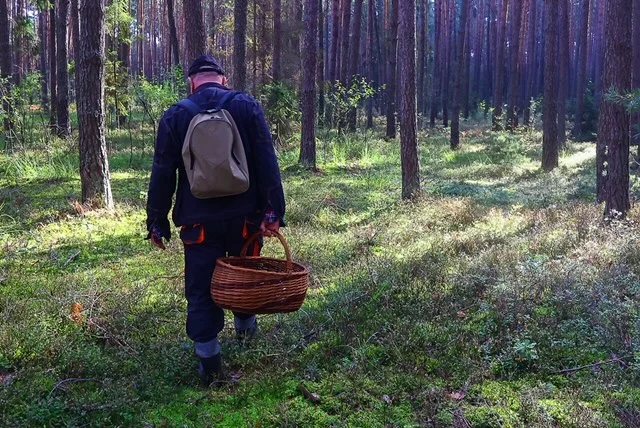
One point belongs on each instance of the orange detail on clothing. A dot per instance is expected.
(200, 239)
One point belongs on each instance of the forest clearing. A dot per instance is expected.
(461, 182)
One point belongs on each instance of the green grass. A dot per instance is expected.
(463, 305)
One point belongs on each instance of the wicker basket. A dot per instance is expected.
(259, 285)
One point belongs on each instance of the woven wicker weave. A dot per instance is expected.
(259, 285)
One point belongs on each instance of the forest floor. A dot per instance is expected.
(498, 298)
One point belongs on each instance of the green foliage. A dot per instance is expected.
(119, 21)
(630, 100)
(590, 113)
(282, 109)
(342, 100)
(25, 30)
(155, 98)
(18, 104)
(460, 307)
(118, 88)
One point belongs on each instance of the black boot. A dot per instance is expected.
(210, 371)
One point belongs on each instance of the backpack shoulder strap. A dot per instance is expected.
(190, 106)
(228, 96)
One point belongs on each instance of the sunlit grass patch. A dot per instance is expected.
(462, 305)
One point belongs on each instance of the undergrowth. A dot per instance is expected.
(497, 298)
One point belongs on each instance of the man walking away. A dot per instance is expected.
(213, 139)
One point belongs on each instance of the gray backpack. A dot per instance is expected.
(213, 154)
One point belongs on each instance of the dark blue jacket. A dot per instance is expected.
(265, 190)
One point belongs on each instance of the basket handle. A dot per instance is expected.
(287, 249)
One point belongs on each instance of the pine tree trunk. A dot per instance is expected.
(346, 25)
(515, 9)
(213, 22)
(466, 82)
(5, 65)
(421, 53)
(194, 27)
(448, 50)
(240, 44)
(635, 45)
(437, 66)
(18, 42)
(310, 51)
(459, 79)
(563, 62)
(355, 57)
(392, 43)
(75, 36)
(277, 40)
(499, 77)
(141, 38)
(124, 55)
(62, 60)
(175, 50)
(44, 84)
(321, 62)
(407, 95)
(53, 76)
(550, 117)
(613, 127)
(371, 22)
(94, 163)
(599, 54)
(531, 61)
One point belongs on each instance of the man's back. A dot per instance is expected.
(265, 188)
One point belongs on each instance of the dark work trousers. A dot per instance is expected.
(203, 245)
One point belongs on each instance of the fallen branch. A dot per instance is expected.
(71, 258)
(70, 380)
(311, 396)
(596, 364)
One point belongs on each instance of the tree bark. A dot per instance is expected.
(194, 26)
(635, 45)
(499, 77)
(18, 42)
(515, 9)
(44, 85)
(531, 61)
(53, 76)
(392, 43)
(5, 64)
(355, 57)
(141, 39)
(63, 124)
(437, 66)
(371, 22)
(613, 127)
(94, 163)
(550, 117)
(459, 78)
(310, 51)
(563, 62)
(408, 136)
(346, 24)
(321, 61)
(581, 69)
(421, 52)
(240, 44)
(277, 40)
(335, 33)
(173, 35)
(75, 36)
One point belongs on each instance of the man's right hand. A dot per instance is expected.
(156, 240)
(156, 234)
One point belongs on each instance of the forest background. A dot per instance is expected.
(444, 161)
